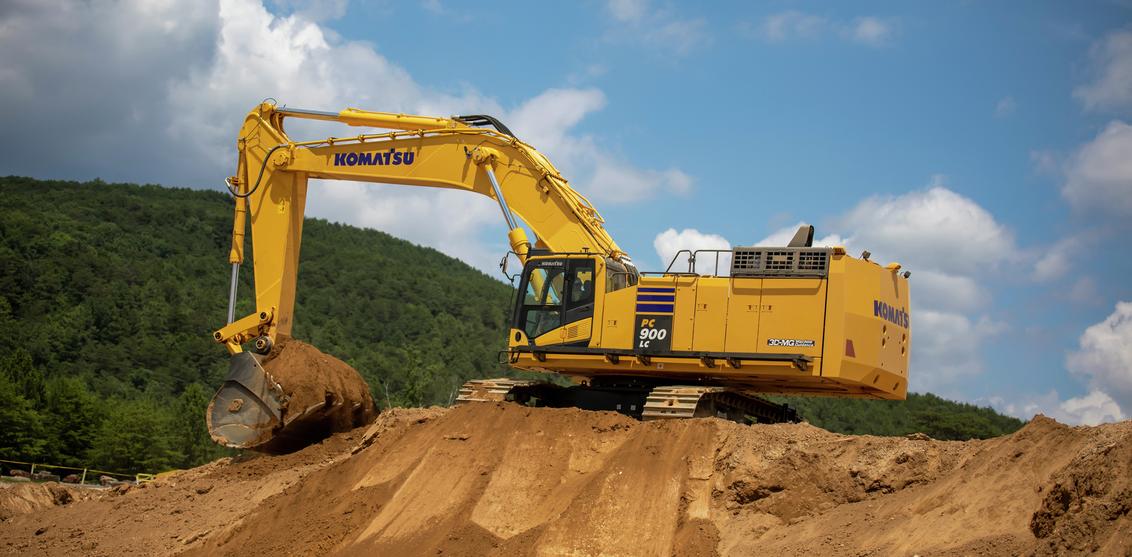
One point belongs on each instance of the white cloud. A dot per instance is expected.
(260, 52)
(1099, 176)
(451, 221)
(1058, 258)
(169, 112)
(444, 9)
(434, 6)
(545, 121)
(1104, 356)
(945, 347)
(1092, 408)
(1084, 290)
(670, 242)
(295, 60)
(628, 10)
(870, 30)
(1005, 107)
(78, 67)
(782, 236)
(1112, 61)
(957, 292)
(933, 229)
(636, 20)
(681, 35)
(794, 25)
(1104, 360)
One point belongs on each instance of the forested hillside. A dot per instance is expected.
(926, 413)
(108, 295)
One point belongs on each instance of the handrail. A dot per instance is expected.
(693, 256)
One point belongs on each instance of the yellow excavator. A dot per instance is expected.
(794, 319)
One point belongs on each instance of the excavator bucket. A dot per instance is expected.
(248, 408)
(287, 400)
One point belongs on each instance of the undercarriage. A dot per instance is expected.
(633, 397)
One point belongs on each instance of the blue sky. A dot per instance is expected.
(984, 145)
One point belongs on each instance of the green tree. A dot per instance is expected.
(190, 430)
(27, 378)
(134, 437)
(21, 427)
(73, 416)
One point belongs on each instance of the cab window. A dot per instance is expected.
(544, 287)
(542, 300)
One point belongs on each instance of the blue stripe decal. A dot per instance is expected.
(656, 297)
(650, 289)
(654, 308)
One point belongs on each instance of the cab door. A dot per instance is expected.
(557, 301)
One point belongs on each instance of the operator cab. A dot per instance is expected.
(558, 291)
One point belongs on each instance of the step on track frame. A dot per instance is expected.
(489, 390)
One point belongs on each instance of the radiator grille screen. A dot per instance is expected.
(777, 262)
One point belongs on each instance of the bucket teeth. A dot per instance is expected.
(248, 407)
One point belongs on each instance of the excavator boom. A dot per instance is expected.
(273, 174)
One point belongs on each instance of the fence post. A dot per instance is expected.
(83, 481)
(32, 468)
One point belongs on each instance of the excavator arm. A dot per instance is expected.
(274, 171)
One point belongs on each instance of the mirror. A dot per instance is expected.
(504, 263)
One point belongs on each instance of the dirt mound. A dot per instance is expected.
(324, 395)
(173, 513)
(23, 498)
(500, 479)
(1087, 508)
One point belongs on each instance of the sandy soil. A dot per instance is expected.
(500, 479)
(22, 498)
(324, 395)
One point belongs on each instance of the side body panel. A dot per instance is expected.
(792, 316)
(617, 319)
(743, 307)
(710, 327)
(684, 320)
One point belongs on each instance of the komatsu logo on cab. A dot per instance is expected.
(890, 314)
(380, 158)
